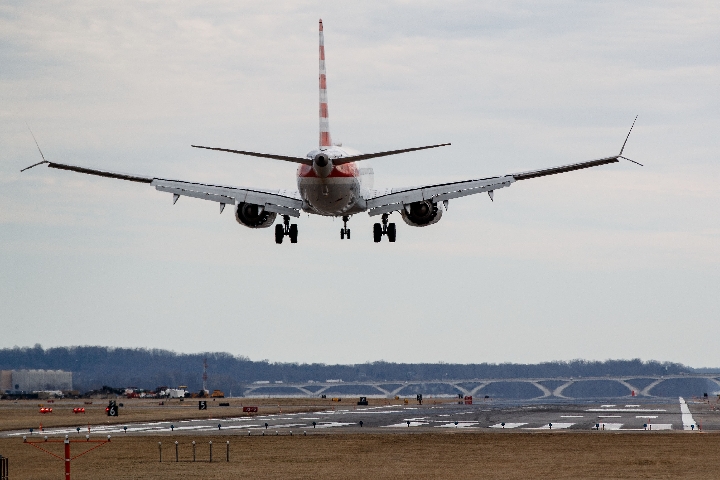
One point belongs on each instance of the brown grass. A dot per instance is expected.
(25, 414)
(501, 455)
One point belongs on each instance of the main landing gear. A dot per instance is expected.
(286, 229)
(345, 232)
(384, 229)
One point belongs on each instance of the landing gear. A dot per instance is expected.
(345, 232)
(384, 229)
(286, 229)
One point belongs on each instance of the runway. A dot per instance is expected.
(665, 414)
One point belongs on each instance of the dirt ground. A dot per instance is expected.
(499, 455)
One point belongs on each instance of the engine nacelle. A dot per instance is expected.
(421, 214)
(254, 216)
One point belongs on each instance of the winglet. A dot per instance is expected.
(34, 165)
(628, 136)
(38, 147)
(625, 143)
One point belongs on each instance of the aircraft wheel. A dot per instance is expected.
(342, 234)
(377, 233)
(348, 233)
(279, 233)
(391, 232)
(293, 233)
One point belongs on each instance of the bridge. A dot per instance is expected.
(522, 388)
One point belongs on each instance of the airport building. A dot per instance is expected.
(34, 380)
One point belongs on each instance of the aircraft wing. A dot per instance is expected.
(279, 201)
(395, 199)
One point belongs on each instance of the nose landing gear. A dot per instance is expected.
(286, 229)
(345, 232)
(384, 229)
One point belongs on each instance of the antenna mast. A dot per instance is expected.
(205, 390)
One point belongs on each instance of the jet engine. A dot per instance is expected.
(421, 214)
(253, 216)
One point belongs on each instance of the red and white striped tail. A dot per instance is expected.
(325, 140)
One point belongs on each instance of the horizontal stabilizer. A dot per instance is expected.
(304, 161)
(366, 156)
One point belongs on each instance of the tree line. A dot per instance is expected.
(94, 367)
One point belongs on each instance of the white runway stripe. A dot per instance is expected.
(688, 421)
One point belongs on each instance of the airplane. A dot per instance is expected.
(331, 184)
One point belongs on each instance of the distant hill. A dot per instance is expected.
(94, 367)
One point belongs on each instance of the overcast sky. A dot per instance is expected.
(619, 261)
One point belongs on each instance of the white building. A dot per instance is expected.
(35, 380)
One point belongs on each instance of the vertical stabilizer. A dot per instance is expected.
(325, 140)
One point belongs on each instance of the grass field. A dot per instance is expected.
(24, 414)
(501, 455)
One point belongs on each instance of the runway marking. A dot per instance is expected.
(404, 424)
(629, 410)
(555, 426)
(508, 425)
(377, 413)
(610, 426)
(646, 416)
(459, 425)
(632, 406)
(607, 406)
(333, 424)
(660, 426)
(655, 426)
(687, 419)
(571, 416)
(283, 425)
(609, 416)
